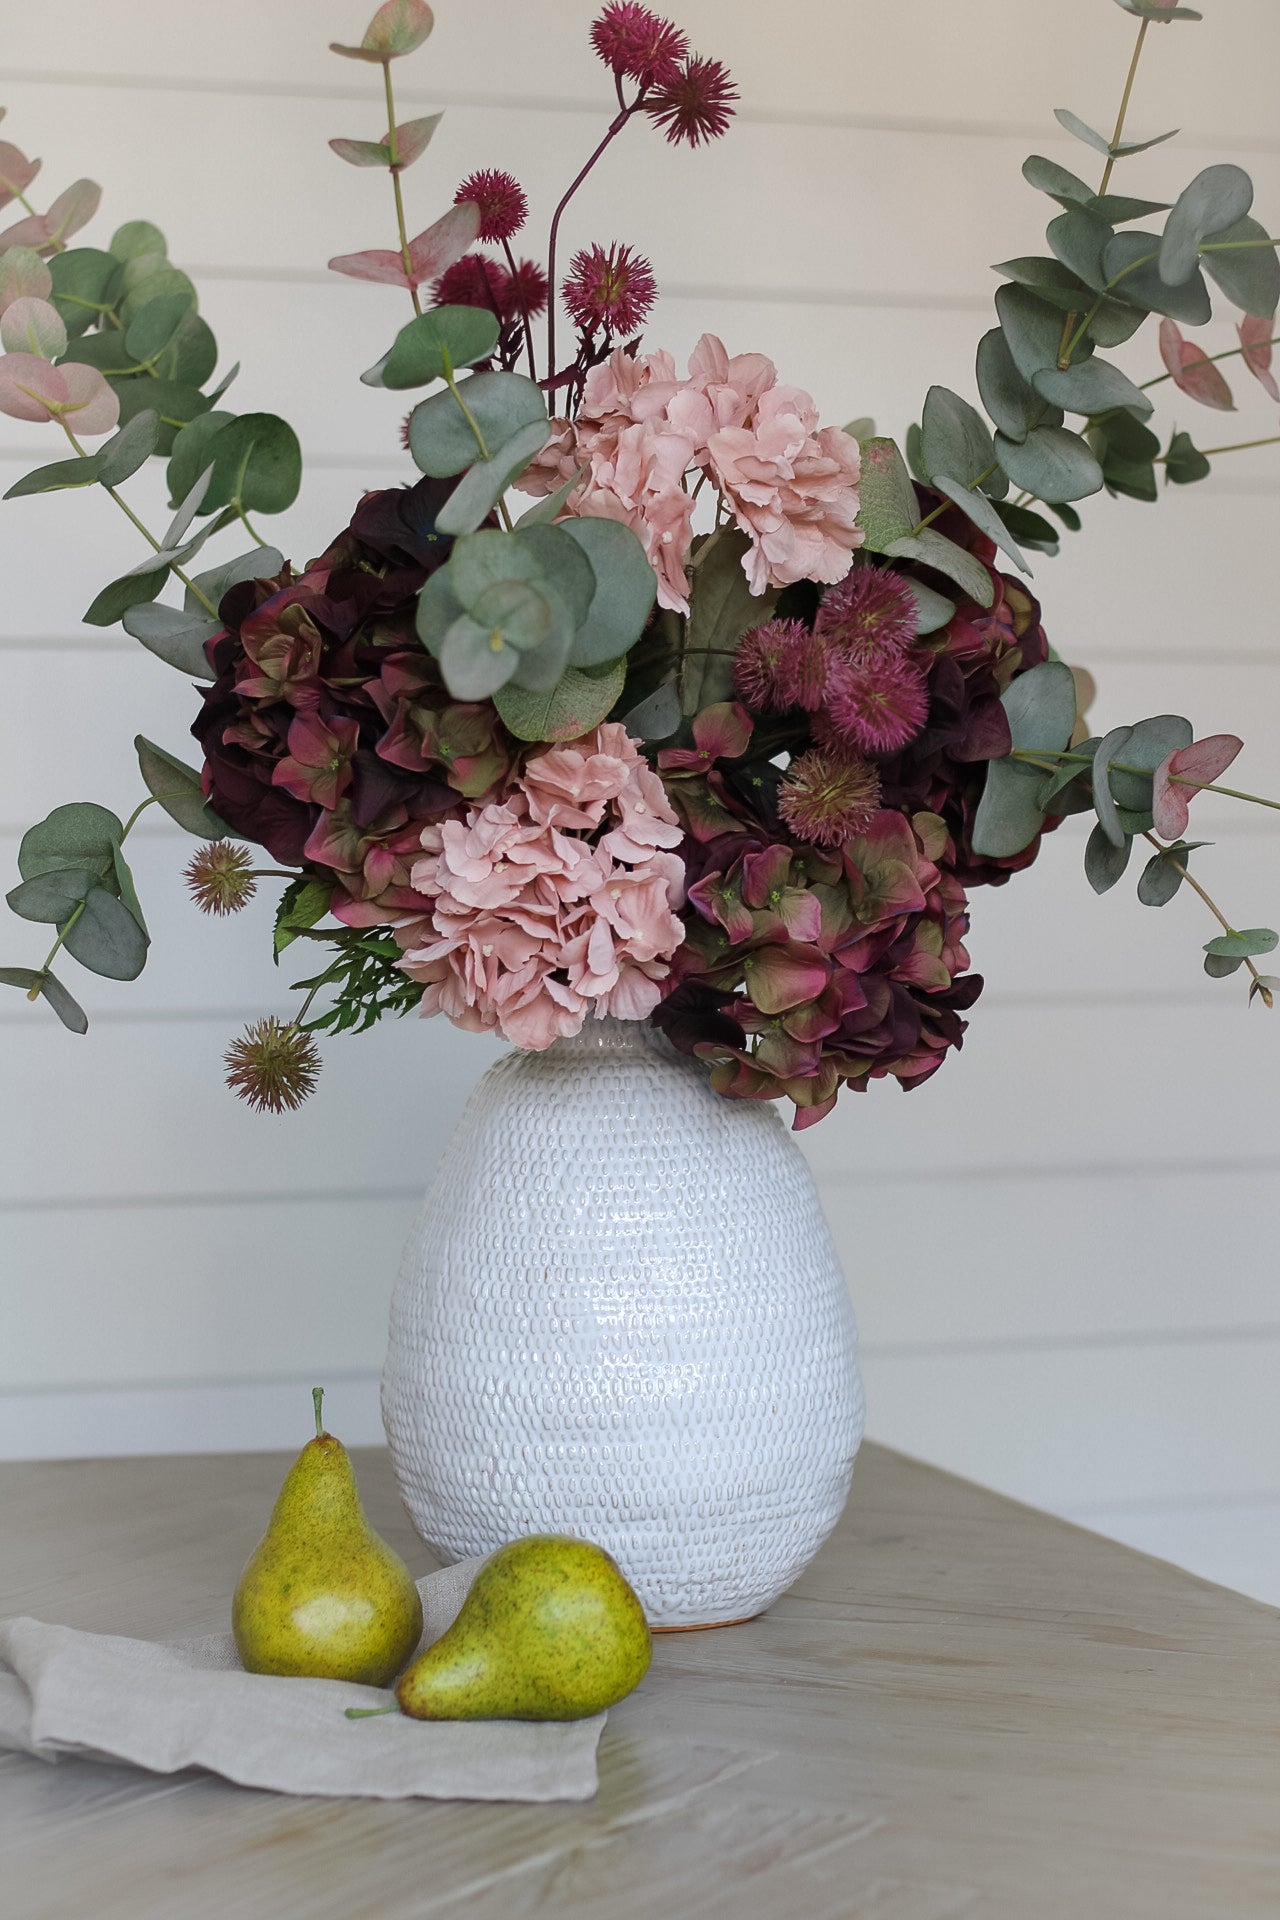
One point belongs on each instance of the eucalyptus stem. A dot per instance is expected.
(929, 518)
(1221, 918)
(1112, 157)
(473, 423)
(393, 152)
(249, 528)
(1032, 757)
(1236, 446)
(147, 535)
(1229, 354)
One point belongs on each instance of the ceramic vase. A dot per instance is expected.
(620, 1316)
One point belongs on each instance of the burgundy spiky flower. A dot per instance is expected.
(638, 43)
(220, 877)
(877, 707)
(694, 104)
(473, 281)
(781, 665)
(827, 798)
(526, 290)
(501, 199)
(609, 287)
(870, 615)
(273, 1065)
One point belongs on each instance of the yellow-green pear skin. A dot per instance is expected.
(549, 1631)
(322, 1595)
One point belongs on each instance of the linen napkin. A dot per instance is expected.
(165, 1705)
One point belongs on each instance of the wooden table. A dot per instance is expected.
(965, 1707)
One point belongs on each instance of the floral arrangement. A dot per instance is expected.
(653, 696)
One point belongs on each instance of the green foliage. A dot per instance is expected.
(1184, 462)
(577, 702)
(433, 345)
(257, 465)
(1041, 710)
(443, 441)
(304, 902)
(722, 608)
(368, 981)
(1104, 863)
(483, 484)
(74, 877)
(177, 788)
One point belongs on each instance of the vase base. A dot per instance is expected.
(709, 1626)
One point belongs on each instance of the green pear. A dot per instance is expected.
(322, 1594)
(549, 1631)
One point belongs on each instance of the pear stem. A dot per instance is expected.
(368, 1713)
(317, 1398)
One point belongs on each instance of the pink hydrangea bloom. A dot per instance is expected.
(557, 901)
(644, 437)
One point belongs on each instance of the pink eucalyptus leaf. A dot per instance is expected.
(439, 246)
(26, 383)
(413, 137)
(378, 263)
(73, 209)
(1201, 763)
(16, 172)
(1255, 345)
(33, 326)
(92, 407)
(31, 232)
(397, 28)
(1191, 371)
(362, 153)
(23, 276)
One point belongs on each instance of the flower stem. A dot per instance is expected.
(1124, 107)
(149, 537)
(615, 128)
(1221, 918)
(525, 326)
(395, 184)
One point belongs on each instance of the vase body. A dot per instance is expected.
(620, 1316)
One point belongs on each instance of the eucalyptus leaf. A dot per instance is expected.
(1119, 208)
(1243, 262)
(625, 590)
(85, 284)
(106, 938)
(189, 457)
(52, 898)
(1126, 450)
(1033, 330)
(1073, 124)
(127, 890)
(1040, 706)
(129, 591)
(175, 637)
(1219, 967)
(59, 474)
(1184, 463)
(1110, 748)
(438, 608)
(135, 238)
(544, 511)
(1244, 944)
(1049, 280)
(933, 610)
(257, 465)
(72, 1015)
(913, 448)
(1011, 401)
(1161, 877)
(260, 563)
(1064, 187)
(145, 282)
(1133, 275)
(178, 789)
(984, 514)
(474, 661)
(79, 834)
(657, 717)
(577, 703)
(175, 401)
(156, 323)
(1029, 529)
(482, 559)
(441, 438)
(1009, 815)
(1052, 463)
(888, 507)
(483, 485)
(187, 511)
(1217, 198)
(1092, 386)
(1150, 742)
(128, 449)
(565, 564)
(1104, 863)
(1078, 238)
(933, 549)
(955, 439)
(722, 609)
(191, 353)
(434, 343)
(24, 977)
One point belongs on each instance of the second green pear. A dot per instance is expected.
(550, 1630)
(322, 1594)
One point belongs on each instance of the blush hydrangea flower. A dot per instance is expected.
(559, 900)
(609, 288)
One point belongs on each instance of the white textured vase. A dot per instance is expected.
(621, 1316)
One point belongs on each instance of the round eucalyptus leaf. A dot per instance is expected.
(483, 485)
(71, 1014)
(1119, 208)
(191, 354)
(128, 591)
(257, 464)
(1110, 747)
(1068, 189)
(1217, 197)
(1041, 709)
(474, 661)
(175, 637)
(138, 237)
(1159, 881)
(129, 448)
(1029, 529)
(625, 588)
(106, 351)
(442, 340)
(1184, 463)
(152, 283)
(657, 717)
(77, 835)
(1249, 274)
(483, 559)
(1150, 742)
(1009, 815)
(155, 326)
(578, 702)
(955, 439)
(53, 897)
(260, 563)
(441, 438)
(438, 608)
(1112, 323)
(1105, 863)
(178, 790)
(933, 549)
(106, 938)
(1011, 401)
(933, 610)
(1049, 280)
(1130, 262)
(174, 401)
(1242, 945)
(521, 615)
(190, 457)
(1220, 966)
(1091, 386)
(564, 563)
(1052, 463)
(85, 284)
(1078, 238)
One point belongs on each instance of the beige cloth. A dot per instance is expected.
(189, 1703)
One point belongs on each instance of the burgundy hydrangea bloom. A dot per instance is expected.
(610, 289)
(781, 665)
(695, 104)
(870, 616)
(638, 43)
(503, 204)
(328, 736)
(876, 707)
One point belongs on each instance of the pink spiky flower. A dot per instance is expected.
(473, 281)
(609, 287)
(870, 615)
(694, 104)
(503, 205)
(638, 43)
(220, 877)
(781, 665)
(526, 290)
(827, 798)
(878, 707)
(272, 1065)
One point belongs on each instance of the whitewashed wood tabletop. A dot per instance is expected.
(964, 1708)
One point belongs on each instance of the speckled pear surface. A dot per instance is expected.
(549, 1631)
(322, 1594)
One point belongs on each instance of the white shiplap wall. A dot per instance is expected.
(1061, 1248)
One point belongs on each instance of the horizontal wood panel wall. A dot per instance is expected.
(1061, 1249)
